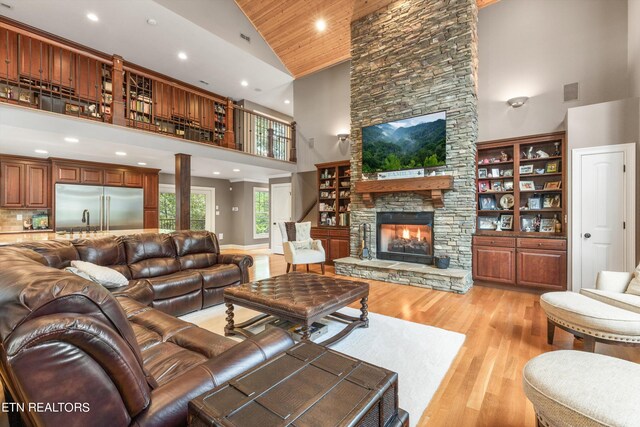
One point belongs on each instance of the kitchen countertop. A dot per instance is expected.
(48, 230)
(35, 236)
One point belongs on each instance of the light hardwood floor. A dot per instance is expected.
(504, 329)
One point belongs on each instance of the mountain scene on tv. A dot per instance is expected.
(405, 144)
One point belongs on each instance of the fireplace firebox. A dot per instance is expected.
(405, 236)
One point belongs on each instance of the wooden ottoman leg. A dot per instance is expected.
(589, 343)
(228, 329)
(551, 329)
(364, 310)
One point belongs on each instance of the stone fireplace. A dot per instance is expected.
(411, 58)
(405, 236)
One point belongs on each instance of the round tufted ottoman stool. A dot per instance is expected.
(574, 388)
(590, 319)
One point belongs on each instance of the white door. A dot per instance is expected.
(280, 212)
(602, 219)
(203, 200)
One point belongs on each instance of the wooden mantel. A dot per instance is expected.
(429, 186)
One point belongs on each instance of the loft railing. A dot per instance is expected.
(263, 135)
(55, 75)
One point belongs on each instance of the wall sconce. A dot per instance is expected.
(518, 101)
(342, 137)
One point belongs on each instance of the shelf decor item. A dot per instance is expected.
(483, 186)
(508, 186)
(535, 202)
(527, 186)
(487, 223)
(482, 173)
(552, 166)
(551, 201)
(487, 202)
(547, 225)
(334, 194)
(507, 201)
(526, 169)
(506, 222)
(552, 185)
(496, 186)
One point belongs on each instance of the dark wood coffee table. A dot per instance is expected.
(309, 385)
(301, 298)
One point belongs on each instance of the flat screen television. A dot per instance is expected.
(416, 142)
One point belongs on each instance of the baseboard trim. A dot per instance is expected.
(246, 247)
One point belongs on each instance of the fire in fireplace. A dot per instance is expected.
(405, 236)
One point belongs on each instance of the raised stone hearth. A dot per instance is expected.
(406, 273)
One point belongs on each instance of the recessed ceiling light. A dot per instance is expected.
(244, 83)
(92, 17)
(286, 101)
(142, 163)
(120, 153)
(72, 140)
(236, 170)
(216, 173)
(182, 56)
(41, 151)
(321, 25)
(152, 21)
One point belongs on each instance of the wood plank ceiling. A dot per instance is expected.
(288, 26)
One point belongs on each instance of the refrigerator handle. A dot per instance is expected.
(101, 213)
(108, 213)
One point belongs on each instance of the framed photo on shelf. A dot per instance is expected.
(547, 225)
(496, 185)
(535, 203)
(25, 97)
(482, 173)
(526, 169)
(483, 186)
(508, 172)
(552, 167)
(551, 201)
(527, 186)
(508, 186)
(527, 223)
(495, 173)
(487, 202)
(487, 223)
(506, 222)
(72, 108)
(552, 185)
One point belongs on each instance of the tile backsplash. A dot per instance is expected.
(8, 221)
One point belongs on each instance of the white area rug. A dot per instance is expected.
(420, 354)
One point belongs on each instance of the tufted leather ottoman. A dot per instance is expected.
(301, 298)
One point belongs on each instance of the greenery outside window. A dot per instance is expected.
(260, 213)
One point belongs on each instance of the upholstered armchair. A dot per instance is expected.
(299, 247)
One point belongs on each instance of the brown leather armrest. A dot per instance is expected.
(242, 261)
(139, 290)
(248, 354)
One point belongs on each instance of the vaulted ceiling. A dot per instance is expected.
(288, 26)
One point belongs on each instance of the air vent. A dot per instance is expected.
(571, 92)
(8, 6)
(204, 82)
(245, 37)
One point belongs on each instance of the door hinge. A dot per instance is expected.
(624, 225)
(624, 168)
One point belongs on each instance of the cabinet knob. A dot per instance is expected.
(539, 244)
(493, 242)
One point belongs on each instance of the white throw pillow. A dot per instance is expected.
(634, 284)
(302, 244)
(105, 276)
(303, 231)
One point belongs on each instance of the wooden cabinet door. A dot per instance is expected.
(339, 248)
(37, 188)
(494, 264)
(194, 107)
(151, 218)
(179, 103)
(70, 174)
(151, 191)
(114, 178)
(12, 193)
(132, 179)
(88, 82)
(327, 248)
(542, 268)
(34, 58)
(163, 99)
(8, 55)
(91, 176)
(63, 67)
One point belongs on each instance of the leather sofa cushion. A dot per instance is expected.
(150, 255)
(196, 249)
(180, 305)
(58, 254)
(175, 284)
(107, 252)
(220, 275)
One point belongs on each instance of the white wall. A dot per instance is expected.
(634, 47)
(321, 109)
(533, 47)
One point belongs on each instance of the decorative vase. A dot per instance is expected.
(442, 261)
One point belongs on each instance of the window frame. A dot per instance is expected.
(256, 191)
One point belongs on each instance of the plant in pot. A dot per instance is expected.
(441, 261)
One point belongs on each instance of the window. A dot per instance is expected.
(260, 213)
(202, 200)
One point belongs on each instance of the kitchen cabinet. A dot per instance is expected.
(133, 179)
(25, 184)
(12, 184)
(37, 186)
(114, 178)
(92, 176)
(151, 194)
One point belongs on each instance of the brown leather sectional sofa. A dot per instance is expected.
(185, 270)
(65, 340)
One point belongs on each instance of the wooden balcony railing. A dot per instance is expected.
(42, 71)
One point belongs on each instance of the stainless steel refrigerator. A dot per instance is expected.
(107, 208)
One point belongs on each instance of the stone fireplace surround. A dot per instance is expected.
(411, 58)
